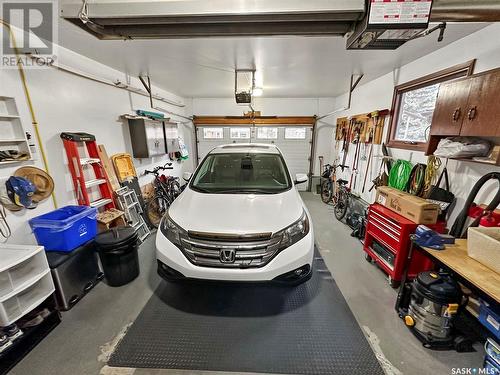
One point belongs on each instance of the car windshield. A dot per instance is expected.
(257, 173)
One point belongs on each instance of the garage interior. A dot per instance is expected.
(114, 114)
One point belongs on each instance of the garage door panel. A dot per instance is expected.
(296, 152)
(206, 145)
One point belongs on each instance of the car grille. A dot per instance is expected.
(248, 251)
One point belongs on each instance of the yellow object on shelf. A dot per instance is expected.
(124, 166)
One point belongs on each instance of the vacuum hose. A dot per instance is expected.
(458, 226)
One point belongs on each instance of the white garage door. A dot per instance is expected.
(295, 142)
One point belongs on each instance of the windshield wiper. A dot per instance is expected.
(246, 191)
(201, 190)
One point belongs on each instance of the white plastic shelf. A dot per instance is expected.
(25, 280)
(18, 305)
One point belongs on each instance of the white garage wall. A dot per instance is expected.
(276, 107)
(65, 102)
(377, 94)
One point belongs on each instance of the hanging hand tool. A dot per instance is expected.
(370, 139)
(4, 225)
(385, 152)
(356, 139)
(347, 141)
(371, 134)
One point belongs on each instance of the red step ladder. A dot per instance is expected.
(77, 165)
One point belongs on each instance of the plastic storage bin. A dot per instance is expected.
(492, 358)
(31, 262)
(13, 307)
(490, 318)
(66, 228)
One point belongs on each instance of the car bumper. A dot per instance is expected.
(172, 264)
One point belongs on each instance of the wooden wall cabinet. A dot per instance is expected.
(147, 137)
(468, 107)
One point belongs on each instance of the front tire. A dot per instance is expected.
(341, 205)
(326, 191)
(156, 208)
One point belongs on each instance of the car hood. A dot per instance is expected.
(236, 213)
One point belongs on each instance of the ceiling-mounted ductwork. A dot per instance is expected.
(465, 11)
(147, 19)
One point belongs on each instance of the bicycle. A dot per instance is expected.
(166, 190)
(335, 190)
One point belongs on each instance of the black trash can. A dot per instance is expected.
(117, 249)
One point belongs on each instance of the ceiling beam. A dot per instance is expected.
(257, 121)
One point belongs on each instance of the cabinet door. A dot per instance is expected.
(160, 138)
(482, 117)
(450, 108)
(151, 137)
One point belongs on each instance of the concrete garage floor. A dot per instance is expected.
(87, 334)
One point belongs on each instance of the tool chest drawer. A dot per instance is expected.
(382, 233)
(387, 241)
(392, 229)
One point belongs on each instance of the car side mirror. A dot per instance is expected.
(186, 176)
(300, 178)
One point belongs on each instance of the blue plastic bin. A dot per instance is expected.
(66, 228)
(490, 318)
(492, 355)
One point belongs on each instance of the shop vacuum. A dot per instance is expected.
(429, 306)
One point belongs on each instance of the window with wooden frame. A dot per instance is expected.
(413, 106)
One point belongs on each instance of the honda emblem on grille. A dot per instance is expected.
(227, 255)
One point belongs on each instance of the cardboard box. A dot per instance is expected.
(483, 245)
(416, 209)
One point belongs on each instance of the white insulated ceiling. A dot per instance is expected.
(287, 66)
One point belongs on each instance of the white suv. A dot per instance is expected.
(239, 219)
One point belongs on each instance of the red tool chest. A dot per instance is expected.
(387, 242)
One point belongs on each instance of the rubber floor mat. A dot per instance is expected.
(308, 329)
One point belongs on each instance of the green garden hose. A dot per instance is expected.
(400, 174)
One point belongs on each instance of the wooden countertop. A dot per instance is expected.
(455, 257)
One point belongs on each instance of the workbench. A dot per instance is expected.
(470, 272)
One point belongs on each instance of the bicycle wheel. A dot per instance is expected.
(340, 208)
(156, 209)
(326, 191)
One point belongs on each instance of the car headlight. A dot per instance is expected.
(294, 232)
(171, 230)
